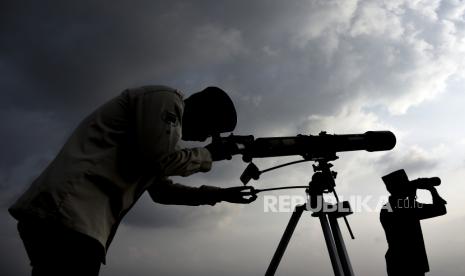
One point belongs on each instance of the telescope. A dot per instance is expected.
(321, 149)
(310, 147)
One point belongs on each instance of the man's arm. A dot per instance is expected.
(166, 192)
(438, 208)
(185, 162)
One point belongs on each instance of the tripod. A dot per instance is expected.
(322, 182)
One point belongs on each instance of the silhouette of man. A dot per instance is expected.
(70, 214)
(401, 217)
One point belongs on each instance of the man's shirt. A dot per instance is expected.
(125, 147)
(401, 223)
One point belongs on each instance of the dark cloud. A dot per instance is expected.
(26, 133)
(68, 58)
(290, 67)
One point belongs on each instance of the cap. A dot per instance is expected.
(397, 182)
(214, 109)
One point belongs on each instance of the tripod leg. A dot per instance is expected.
(341, 248)
(331, 245)
(285, 240)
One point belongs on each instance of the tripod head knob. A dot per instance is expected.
(322, 183)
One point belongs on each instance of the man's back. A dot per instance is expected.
(107, 163)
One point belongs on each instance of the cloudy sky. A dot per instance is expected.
(291, 67)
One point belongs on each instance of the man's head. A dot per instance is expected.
(206, 113)
(398, 184)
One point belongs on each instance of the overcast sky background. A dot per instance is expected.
(291, 67)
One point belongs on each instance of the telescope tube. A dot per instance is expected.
(311, 146)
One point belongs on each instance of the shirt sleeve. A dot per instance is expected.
(426, 211)
(158, 120)
(167, 192)
(419, 211)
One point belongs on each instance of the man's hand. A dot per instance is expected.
(240, 194)
(436, 197)
(221, 150)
